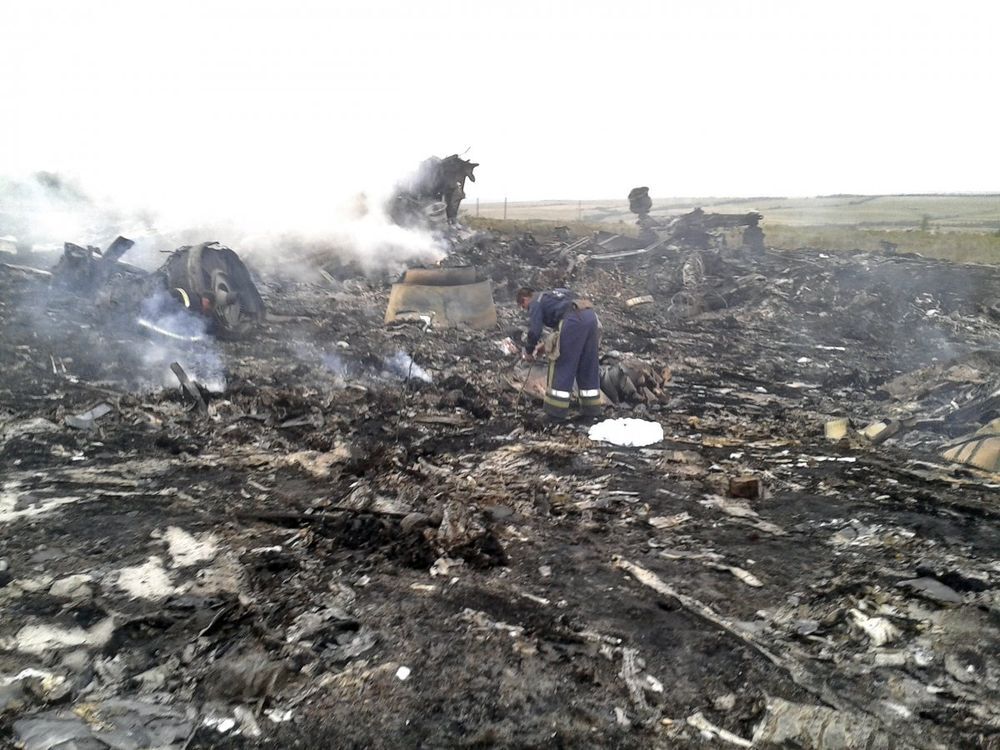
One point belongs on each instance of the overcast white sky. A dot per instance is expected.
(227, 106)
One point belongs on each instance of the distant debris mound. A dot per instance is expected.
(694, 229)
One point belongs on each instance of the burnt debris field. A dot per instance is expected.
(331, 530)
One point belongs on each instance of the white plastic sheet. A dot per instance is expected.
(627, 432)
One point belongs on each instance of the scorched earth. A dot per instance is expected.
(366, 535)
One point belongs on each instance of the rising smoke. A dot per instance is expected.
(402, 366)
(42, 211)
(278, 231)
(176, 334)
(346, 366)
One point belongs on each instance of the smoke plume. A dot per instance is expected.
(176, 334)
(273, 228)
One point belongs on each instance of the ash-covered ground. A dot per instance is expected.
(372, 539)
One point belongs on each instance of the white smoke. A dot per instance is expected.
(401, 365)
(178, 335)
(43, 210)
(365, 237)
(275, 224)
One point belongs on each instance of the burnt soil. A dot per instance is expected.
(483, 551)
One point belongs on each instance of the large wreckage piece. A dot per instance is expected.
(980, 450)
(209, 279)
(442, 297)
(433, 193)
(87, 268)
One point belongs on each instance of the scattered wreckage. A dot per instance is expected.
(367, 534)
(690, 232)
(688, 245)
(957, 400)
(694, 229)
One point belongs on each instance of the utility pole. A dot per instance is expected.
(505, 206)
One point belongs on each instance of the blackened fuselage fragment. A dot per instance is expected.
(211, 279)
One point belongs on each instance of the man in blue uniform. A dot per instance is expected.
(571, 349)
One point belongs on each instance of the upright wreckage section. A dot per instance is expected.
(434, 193)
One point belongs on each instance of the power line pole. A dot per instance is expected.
(505, 206)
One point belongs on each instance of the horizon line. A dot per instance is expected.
(957, 194)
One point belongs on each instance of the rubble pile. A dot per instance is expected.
(334, 532)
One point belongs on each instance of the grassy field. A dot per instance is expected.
(956, 227)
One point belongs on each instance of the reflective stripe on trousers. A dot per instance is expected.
(556, 399)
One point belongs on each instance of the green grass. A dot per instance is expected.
(961, 246)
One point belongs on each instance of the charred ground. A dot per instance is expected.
(333, 519)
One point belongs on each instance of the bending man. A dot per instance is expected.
(571, 348)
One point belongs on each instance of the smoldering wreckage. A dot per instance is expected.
(328, 513)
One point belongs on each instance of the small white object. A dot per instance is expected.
(668, 522)
(72, 587)
(878, 629)
(744, 575)
(223, 724)
(403, 673)
(507, 346)
(627, 432)
(444, 566)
